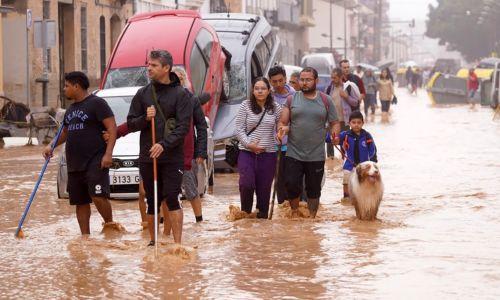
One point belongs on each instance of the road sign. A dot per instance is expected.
(45, 34)
(29, 18)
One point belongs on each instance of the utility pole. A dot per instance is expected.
(345, 29)
(331, 25)
(378, 36)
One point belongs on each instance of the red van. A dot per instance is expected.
(194, 46)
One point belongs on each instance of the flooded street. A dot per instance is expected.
(437, 236)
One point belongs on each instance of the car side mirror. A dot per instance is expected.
(204, 98)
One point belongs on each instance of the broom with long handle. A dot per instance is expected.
(19, 232)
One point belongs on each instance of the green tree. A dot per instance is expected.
(455, 24)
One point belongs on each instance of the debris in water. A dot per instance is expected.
(112, 227)
(235, 213)
(285, 211)
(180, 251)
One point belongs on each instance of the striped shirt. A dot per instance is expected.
(264, 134)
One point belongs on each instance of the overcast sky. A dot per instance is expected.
(409, 9)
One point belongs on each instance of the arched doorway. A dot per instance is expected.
(102, 43)
(116, 29)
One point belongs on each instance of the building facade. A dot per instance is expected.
(84, 34)
(352, 29)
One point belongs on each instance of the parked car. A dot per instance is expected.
(124, 174)
(253, 48)
(194, 46)
(324, 63)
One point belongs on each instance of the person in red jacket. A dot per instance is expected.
(472, 87)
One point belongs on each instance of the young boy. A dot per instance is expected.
(357, 146)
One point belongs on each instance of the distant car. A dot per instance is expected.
(324, 63)
(447, 65)
(252, 48)
(124, 174)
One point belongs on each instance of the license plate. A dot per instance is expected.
(124, 179)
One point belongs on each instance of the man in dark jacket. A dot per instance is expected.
(176, 107)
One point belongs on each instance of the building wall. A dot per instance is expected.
(319, 35)
(67, 49)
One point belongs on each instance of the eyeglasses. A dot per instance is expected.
(292, 82)
(306, 79)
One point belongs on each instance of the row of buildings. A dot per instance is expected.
(82, 34)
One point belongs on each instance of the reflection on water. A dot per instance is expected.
(436, 235)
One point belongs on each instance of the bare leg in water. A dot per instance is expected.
(196, 204)
(167, 224)
(142, 205)
(294, 205)
(176, 217)
(104, 208)
(83, 217)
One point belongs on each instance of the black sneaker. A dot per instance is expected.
(151, 243)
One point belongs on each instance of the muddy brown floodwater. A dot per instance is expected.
(437, 236)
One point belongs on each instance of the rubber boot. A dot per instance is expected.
(313, 205)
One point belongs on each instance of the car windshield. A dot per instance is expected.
(120, 106)
(129, 77)
(486, 65)
(318, 63)
(237, 75)
(126, 77)
(234, 42)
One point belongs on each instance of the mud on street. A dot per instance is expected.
(437, 235)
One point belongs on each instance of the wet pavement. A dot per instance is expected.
(437, 236)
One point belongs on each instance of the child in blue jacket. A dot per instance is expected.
(357, 146)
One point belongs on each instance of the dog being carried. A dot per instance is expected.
(361, 181)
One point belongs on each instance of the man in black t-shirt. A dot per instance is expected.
(88, 156)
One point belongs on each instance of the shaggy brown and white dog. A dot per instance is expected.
(366, 190)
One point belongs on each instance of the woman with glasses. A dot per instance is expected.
(256, 125)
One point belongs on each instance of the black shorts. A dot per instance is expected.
(295, 170)
(93, 182)
(169, 184)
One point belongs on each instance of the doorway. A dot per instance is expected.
(66, 26)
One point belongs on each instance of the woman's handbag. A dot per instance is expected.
(394, 99)
(233, 150)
